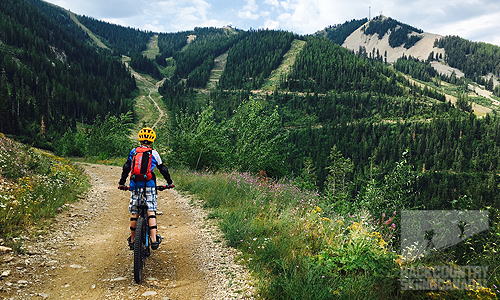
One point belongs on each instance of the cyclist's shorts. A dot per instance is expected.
(135, 197)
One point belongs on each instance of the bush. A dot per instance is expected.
(105, 139)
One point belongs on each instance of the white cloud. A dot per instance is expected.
(179, 15)
(470, 19)
(274, 3)
(247, 15)
(271, 24)
(482, 28)
(249, 11)
(308, 16)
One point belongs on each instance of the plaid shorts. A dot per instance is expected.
(151, 199)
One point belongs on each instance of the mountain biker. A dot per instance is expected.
(146, 137)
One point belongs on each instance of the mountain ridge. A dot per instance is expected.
(420, 50)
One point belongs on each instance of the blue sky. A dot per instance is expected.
(476, 20)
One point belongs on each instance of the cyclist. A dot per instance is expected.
(146, 137)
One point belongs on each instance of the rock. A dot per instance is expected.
(149, 293)
(75, 266)
(119, 279)
(5, 273)
(51, 262)
(4, 249)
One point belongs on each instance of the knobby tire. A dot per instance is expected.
(139, 249)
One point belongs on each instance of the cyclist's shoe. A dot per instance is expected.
(154, 245)
(130, 243)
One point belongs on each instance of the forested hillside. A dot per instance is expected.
(399, 32)
(339, 33)
(196, 61)
(476, 60)
(51, 77)
(328, 97)
(251, 60)
(358, 132)
(479, 61)
(122, 40)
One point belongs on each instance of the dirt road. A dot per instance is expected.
(84, 255)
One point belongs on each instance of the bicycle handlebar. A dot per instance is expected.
(158, 187)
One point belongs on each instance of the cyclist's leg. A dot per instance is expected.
(151, 199)
(152, 225)
(133, 223)
(134, 214)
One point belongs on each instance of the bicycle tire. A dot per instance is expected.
(139, 249)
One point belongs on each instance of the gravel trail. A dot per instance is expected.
(84, 253)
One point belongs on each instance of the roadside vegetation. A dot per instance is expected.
(298, 247)
(360, 142)
(34, 184)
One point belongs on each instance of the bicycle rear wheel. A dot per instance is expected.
(139, 248)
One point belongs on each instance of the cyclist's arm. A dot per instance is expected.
(125, 171)
(161, 167)
(164, 171)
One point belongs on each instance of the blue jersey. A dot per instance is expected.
(155, 161)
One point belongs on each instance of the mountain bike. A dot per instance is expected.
(142, 239)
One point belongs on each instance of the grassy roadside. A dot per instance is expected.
(294, 249)
(33, 186)
(297, 251)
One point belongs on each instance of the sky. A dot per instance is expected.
(475, 20)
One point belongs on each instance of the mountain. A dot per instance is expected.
(392, 40)
(52, 75)
(264, 99)
(381, 35)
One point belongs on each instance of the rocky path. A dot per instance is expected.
(84, 254)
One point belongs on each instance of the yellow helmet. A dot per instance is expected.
(147, 134)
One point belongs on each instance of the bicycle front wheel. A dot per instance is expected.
(139, 249)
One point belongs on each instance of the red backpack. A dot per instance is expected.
(141, 164)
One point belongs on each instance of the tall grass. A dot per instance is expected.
(294, 249)
(33, 185)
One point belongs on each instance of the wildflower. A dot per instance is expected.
(399, 261)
